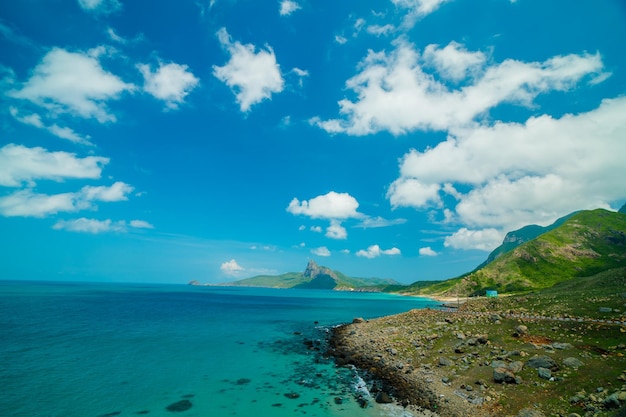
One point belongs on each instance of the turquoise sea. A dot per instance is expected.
(83, 350)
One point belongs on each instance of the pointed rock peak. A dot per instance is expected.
(312, 269)
(623, 209)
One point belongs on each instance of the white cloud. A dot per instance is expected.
(376, 222)
(100, 6)
(170, 83)
(395, 93)
(485, 239)
(321, 251)
(287, 7)
(427, 251)
(253, 77)
(117, 192)
(417, 9)
(34, 119)
(84, 225)
(316, 229)
(27, 203)
(73, 82)
(336, 231)
(519, 174)
(332, 205)
(341, 40)
(454, 61)
(232, 268)
(378, 30)
(375, 251)
(140, 224)
(19, 165)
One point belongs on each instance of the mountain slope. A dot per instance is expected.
(315, 277)
(585, 244)
(517, 237)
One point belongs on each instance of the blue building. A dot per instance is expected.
(492, 294)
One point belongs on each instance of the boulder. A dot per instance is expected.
(383, 398)
(503, 375)
(521, 330)
(515, 366)
(544, 373)
(529, 412)
(443, 361)
(543, 361)
(572, 363)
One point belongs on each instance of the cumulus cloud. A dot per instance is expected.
(336, 231)
(332, 205)
(395, 92)
(232, 268)
(252, 76)
(100, 6)
(485, 239)
(140, 224)
(518, 173)
(287, 7)
(321, 251)
(84, 225)
(170, 83)
(427, 251)
(27, 203)
(34, 120)
(20, 164)
(375, 251)
(73, 82)
(454, 61)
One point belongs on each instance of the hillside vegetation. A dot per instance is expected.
(585, 244)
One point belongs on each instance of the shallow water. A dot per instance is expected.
(120, 349)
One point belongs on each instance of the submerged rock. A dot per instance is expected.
(182, 405)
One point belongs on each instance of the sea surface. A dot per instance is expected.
(83, 350)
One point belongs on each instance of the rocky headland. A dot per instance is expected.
(475, 362)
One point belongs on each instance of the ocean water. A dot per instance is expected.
(87, 350)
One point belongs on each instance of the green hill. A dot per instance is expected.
(316, 277)
(585, 244)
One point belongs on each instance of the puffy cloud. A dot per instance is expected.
(287, 7)
(34, 120)
(454, 61)
(100, 6)
(73, 82)
(332, 205)
(520, 173)
(485, 239)
(140, 224)
(27, 203)
(427, 251)
(375, 251)
(232, 268)
(395, 93)
(321, 251)
(336, 231)
(116, 192)
(316, 229)
(84, 225)
(253, 77)
(170, 83)
(20, 164)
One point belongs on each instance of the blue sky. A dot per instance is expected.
(159, 141)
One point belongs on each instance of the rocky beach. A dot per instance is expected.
(474, 362)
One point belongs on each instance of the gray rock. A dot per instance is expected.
(612, 401)
(521, 330)
(544, 373)
(543, 362)
(501, 375)
(443, 361)
(358, 320)
(561, 346)
(498, 364)
(572, 363)
(482, 338)
(515, 366)
(605, 310)
(495, 317)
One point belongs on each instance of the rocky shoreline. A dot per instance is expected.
(459, 363)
